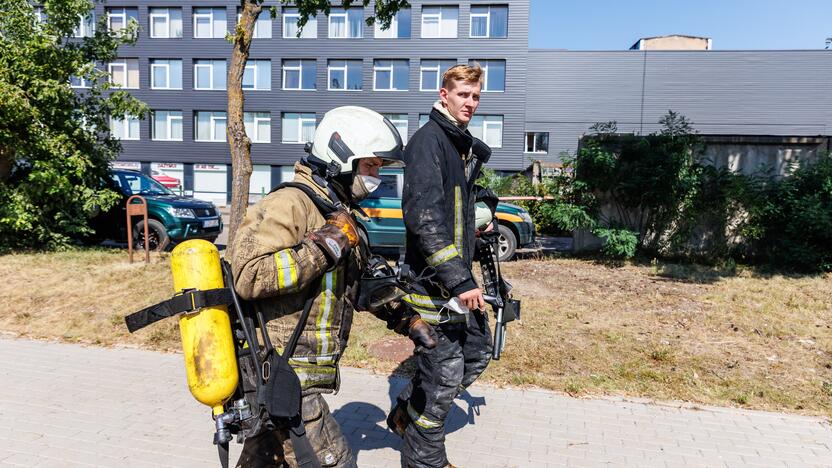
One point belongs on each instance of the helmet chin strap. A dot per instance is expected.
(325, 176)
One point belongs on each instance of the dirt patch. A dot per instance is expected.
(393, 349)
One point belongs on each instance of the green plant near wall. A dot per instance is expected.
(645, 182)
(795, 219)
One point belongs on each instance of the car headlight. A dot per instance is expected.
(181, 212)
(525, 216)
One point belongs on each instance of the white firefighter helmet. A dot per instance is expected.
(349, 133)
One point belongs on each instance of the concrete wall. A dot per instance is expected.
(756, 155)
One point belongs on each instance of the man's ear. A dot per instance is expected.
(443, 96)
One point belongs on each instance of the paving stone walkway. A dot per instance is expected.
(67, 405)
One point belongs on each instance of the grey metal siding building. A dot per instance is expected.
(510, 103)
(780, 93)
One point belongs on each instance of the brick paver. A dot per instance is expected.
(68, 405)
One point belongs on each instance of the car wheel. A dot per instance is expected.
(507, 243)
(157, 235)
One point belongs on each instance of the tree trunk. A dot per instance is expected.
(238, 141)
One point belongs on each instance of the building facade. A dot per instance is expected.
(782, 93)
(536, 104)
(178, 67)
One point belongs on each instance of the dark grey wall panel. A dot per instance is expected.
(510, 104)
(723, 92)
(785, 89)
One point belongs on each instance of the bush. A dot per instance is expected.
(796, 220)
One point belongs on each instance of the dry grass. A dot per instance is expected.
(83, 296)
(661, 331)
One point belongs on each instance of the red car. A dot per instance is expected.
(166, 180)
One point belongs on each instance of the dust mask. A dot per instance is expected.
(363, 185)
(370, 182)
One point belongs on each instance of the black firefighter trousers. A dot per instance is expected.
(462, 353)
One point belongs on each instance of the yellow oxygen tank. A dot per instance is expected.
(206, 334)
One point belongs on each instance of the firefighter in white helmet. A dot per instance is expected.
(301, 243)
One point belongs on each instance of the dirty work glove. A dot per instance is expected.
(419, 331)
(332, 241)
(345, 223)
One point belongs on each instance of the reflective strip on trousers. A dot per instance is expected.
(323, 323)
(458, 221)
(315, 376)
(420, 419)
(443, 255)
(313, 360)
(287, 270)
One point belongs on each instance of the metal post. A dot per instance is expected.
(137, 209)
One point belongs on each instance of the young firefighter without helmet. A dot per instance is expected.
(298, 254)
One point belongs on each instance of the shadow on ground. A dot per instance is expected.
(365, 425)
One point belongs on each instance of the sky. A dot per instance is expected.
(732, 24)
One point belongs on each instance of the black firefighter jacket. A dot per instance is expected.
(438, 211)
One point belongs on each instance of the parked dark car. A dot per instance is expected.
(172, 218)
(385, 228)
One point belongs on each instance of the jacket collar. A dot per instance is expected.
(461, 139)
(303, 175)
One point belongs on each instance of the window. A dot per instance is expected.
(124, 128)
(124, 73)
(298, 128)
(399, 26)
(390, 75)
(494, 76)
(167, 125)
(209, 74)
(165, 74)
(299, 74)
(263, 25)
(488, 128)
(119, 18)
(86, 26)
(165, 22)
(79, 82)
(430, 74)
(290, 25)
(346, 23)
(210, 126)
(423, 119)
(344, 75)
(40, 15)
(489, 21)
(400, 122)
(209, 23)
(439, 21)
(258, 75)
(258, 126)
(537, 142)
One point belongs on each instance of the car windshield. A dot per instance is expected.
(140, 184)
(388, 187)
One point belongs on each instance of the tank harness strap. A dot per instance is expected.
(324, 206)
(188, 300)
